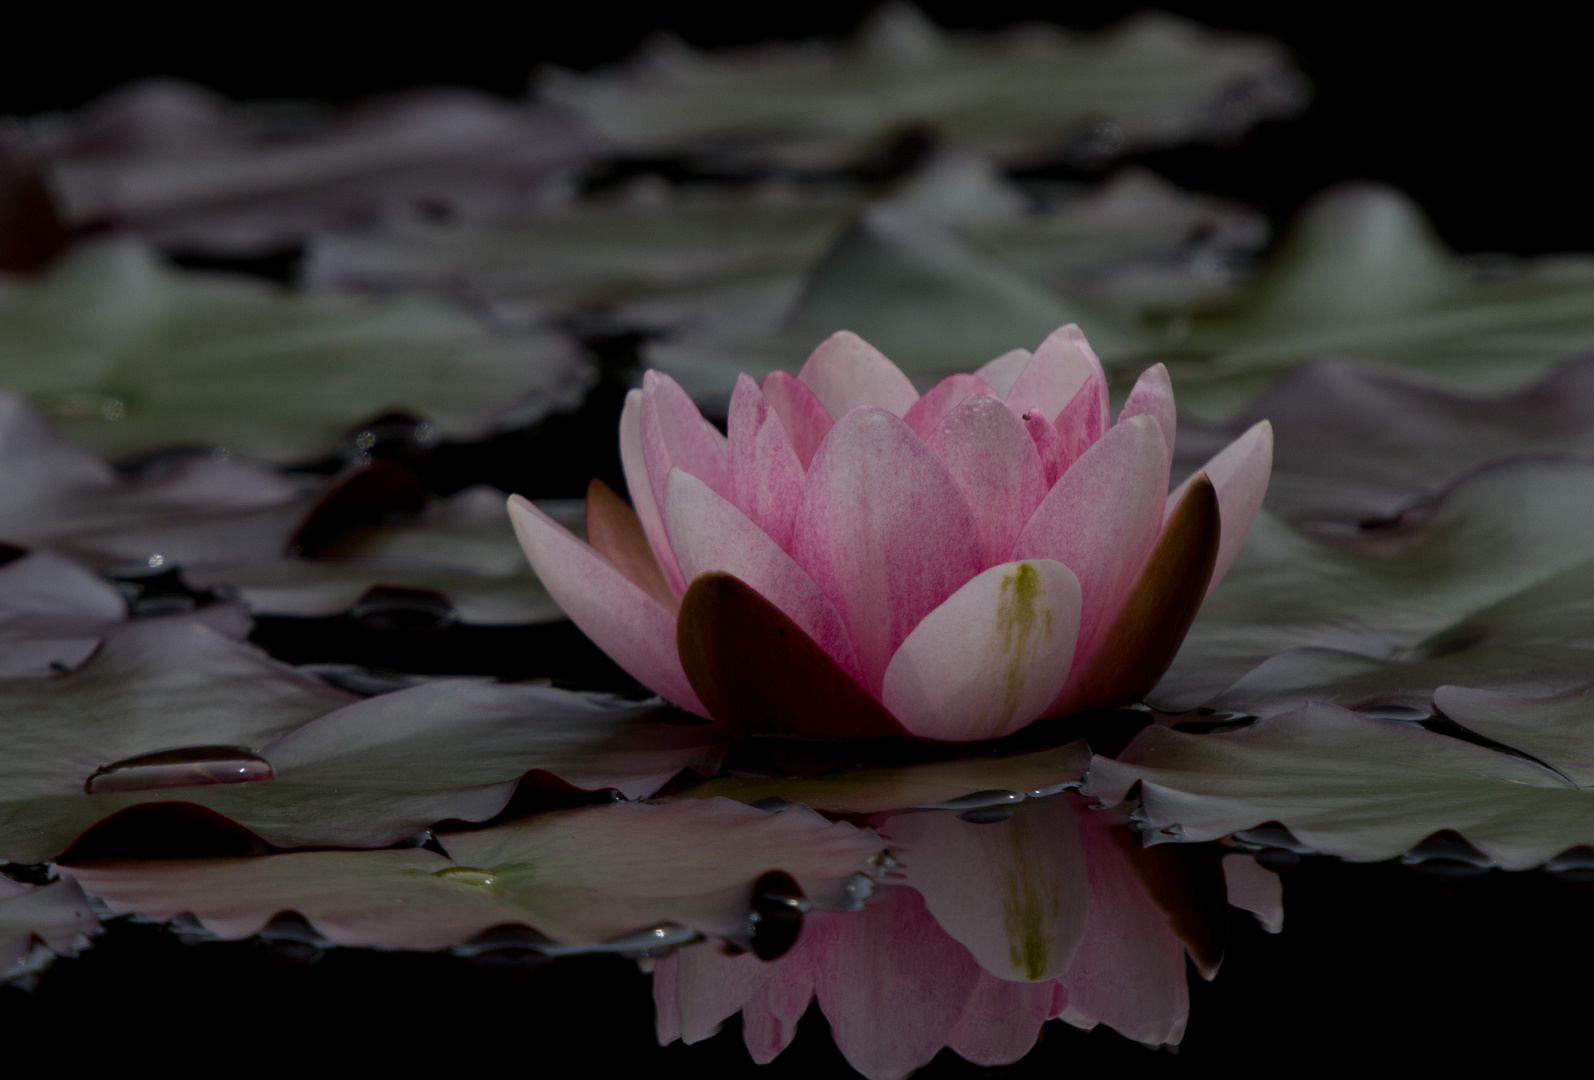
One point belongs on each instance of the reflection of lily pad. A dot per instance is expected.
(1347, 785)
(870, 790)
(1034, 94)
(351, 772)
(1352, 444)
(37, 925)
(1363, 275)
(128, 355)
(578, 876)
(1493, 589)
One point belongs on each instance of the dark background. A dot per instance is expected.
(1483, 120)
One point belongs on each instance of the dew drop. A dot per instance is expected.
(191, 766)
(859, 888)
(986, 815)
(978, 800)
(1397, 712)
(466, 875)
(156, 561)
(776, 915)
(655, 941)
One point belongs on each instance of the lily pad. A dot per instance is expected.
(1490, 588)
(1348, 785)
(1558, 730)
(53, 614)
(1035, 93)
(1363, 275)
(129, 355)
(222, 720)
(582, 876)
(38, 925)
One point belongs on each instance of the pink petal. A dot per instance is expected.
(1129, 972)
(770, 1018)
(635, 630)
(991, 658)
(1084, 420)
(1000, 374)
(1001, 1021)
(941, 399)
(846, 372)
(697, 989)
(711, 534)
(1153, 396)
(640, 488)
(805, 419)
(1100, 520)
(1060, 367)
(884, 531)
(675, 435)
(1048, 444)
(891, 983)
(766, 479)
(1239, 474)
(994, 463)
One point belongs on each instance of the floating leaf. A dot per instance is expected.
(1348, 785)
(1558, 730)
(53, 614)
(128, 355)
(37, 925)
(582, 876)
(1493, 588)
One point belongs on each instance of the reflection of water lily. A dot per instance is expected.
(857, 559)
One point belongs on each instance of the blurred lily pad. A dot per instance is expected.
(1363, 275)
(53, 614)
(1492, 586)
(1348, 785)
(128, 356)
(583, 876)
(1035, 93)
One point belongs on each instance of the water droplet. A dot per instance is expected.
(655, 941)
(1277, 859)
(859, 888)
(1054, 789)
(424, 433)
(191, 766)
(291, 941)
(507, 952)
(386, 607)
(157, 560)
(1397, 712)
(776, 915)
(986, 815)
(977, 800)
(466, 875)
(770, 802)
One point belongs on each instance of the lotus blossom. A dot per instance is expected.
(855, 559)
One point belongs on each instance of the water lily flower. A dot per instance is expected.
(854, 559)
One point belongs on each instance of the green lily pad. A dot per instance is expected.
(583, 876)
(1347, 785)
(1491, 589)
(1033, 94)
(129, 355)
(871, 790)
(53, 614)
(1557, 729)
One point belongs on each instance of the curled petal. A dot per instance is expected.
(712, 535)
(846, 372)
(615, 532)
(995, 464)
(884, 531)
(1153, 396)
(1148, 629)
(648, 511)
(635, 630)
(1054, 375)
(766, 479)
(1239, 473)
(1100, 520)
(1000, 374)
(804, 417)
(992, 658)
(941, 399)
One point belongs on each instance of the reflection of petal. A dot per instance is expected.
(1255, 889)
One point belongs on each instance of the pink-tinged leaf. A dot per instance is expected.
(1084, 420)
(1000, 374)
(766, 479)
(941, 399)
(615, 532)
(892, 984)
(846, 372)
(992, 658)
(995, 465)
(712, 535)
(1239, 472)
(675, 435)
(1054, 375)
(1254, 888)
(1048, 445)
(648, 511)
(1129, 971)
(884, 531)
(634, 629)
(1153, 396)
(1100, 520)
(803, 415)
(1013, 893)
(1002, 1020)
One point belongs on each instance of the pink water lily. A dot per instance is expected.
(855, 559)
